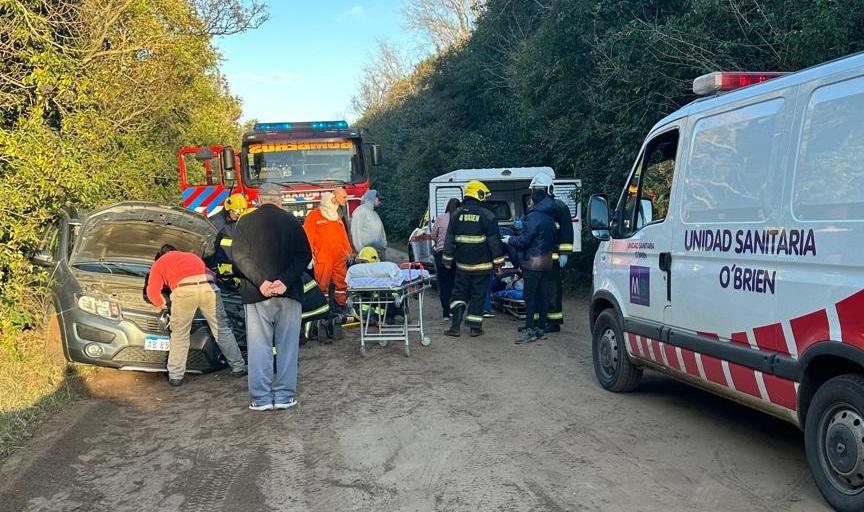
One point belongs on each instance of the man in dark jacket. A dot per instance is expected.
(270, 253)
(536, 245)
(473, 245)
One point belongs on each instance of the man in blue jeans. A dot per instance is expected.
(270, 253)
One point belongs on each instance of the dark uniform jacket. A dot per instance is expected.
(270, 244)
(539, 238)
(314, 302)
(473, 241)
(564, 224)
(225, 227)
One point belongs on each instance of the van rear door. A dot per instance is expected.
(568, 191)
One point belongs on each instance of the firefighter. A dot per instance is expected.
(536, 244)
(225, 222)
(564, 226)
(330, 248)
(318, 319)
(387, 312)
(473, 246)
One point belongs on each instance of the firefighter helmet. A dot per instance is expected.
(543, 182)
(368, 255)
(478, 190)
(236, 202)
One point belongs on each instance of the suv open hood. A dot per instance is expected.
(135, 230)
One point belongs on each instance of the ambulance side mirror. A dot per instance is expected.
(598, 217)
(646, 212)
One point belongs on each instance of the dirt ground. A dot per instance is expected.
(464, 424)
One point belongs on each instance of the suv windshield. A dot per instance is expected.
(301, 162)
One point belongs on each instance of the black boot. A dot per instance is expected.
(475, 331)
(455, 323)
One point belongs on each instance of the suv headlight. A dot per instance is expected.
(101, 307)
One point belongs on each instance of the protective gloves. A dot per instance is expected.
(562, 260)
(519, 224)
(505, 239)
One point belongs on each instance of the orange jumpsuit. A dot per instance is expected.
(330, 251)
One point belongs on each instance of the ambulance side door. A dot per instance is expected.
(639, 252)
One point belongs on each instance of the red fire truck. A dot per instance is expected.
(306, 158)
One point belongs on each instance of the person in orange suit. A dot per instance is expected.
(330, 247)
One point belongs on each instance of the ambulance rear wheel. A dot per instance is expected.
(834, 441)
(612, 365)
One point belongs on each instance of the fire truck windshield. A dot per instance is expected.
(301, 162)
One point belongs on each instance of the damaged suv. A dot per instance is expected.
(99, 261)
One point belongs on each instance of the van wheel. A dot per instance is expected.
(834, 440)
(611, 362)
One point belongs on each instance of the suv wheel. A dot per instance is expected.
(834, 440)
(612, 365)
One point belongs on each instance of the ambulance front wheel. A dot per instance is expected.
(612, 365)
(834, 441)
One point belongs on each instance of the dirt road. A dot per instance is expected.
(465, 424)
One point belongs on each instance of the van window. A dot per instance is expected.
(729, 175)
(500, 209)
(651, 181)
(830, 176)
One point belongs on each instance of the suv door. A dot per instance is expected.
(638, 256)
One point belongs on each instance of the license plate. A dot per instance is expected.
(162, 343)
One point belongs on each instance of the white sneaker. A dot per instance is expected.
(287, 405)
(262, 407)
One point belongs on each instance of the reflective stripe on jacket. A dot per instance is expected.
(473, 241)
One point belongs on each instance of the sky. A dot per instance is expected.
(304, 63)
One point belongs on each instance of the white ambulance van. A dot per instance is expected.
(734, 258)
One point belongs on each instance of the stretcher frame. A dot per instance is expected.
(380, 299)
(514, 307)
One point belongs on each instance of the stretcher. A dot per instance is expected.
(377, 296)
(511, 299)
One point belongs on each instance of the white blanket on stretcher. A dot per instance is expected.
(381, 275)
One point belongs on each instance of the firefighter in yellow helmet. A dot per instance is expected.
(473, 247)
(368, 255)
(225, 221)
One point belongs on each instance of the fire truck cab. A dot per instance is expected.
(306, 158)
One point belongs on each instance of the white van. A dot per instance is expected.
(509, 200)
(734, 258)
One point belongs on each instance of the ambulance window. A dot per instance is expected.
(651, 182)
(729, 175)
(830, 174)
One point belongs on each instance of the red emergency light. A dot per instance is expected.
(722, 81)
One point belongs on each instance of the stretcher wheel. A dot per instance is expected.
(383, 343)
(425, 341)
(363, 350)
(406, 351)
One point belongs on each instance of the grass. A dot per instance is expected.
(32, 389)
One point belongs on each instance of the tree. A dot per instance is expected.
(379, 78)
(443, 22)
